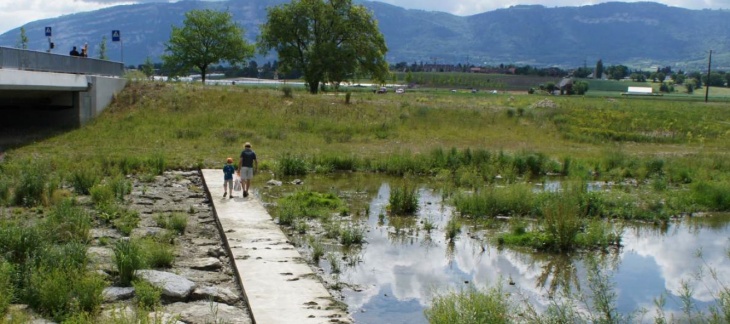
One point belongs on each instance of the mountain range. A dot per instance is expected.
(640, 34)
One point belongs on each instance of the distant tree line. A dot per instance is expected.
(502, 68)
(691, 80)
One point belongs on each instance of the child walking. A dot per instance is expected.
(228, 170)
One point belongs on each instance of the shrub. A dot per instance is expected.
(471, 306)
(512, 200)
(126, 221)
(714, 196)
(101, 194)
(287, 91)
(50, 291)
(403, 200)
(561, 223)
(292, 165)
(580, 87)
(157, 164)
(70, 256)
(120, 186)
(128, 259)
(84, 179)
(288, 212)
(655, 166)
(428, 225)
(511, 112)
(29, 190)
(88, 290)
(19, 241)
(178, 222)
(147, 296)
(332, 230)
(317, 249)
(69, 223)
(310, 204)
(334, 262)
(7, 293)
(129, 164)
(453, 228)
(352, 235)
(158, 254)
(175, 221)
(4, 190)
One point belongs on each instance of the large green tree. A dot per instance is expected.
(327, 40)
(207, 37)
(599, 69)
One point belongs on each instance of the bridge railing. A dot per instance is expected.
(13, 58)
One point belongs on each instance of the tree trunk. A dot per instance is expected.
(202, 72)
(313, 86)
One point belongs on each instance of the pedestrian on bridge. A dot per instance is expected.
(74, 52)
(248, 165)
(228, 171)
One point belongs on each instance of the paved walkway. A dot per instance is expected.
(279, 285)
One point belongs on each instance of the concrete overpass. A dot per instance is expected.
(43, 89)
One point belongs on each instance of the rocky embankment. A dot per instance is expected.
(201, 286)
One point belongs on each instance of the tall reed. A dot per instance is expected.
(128, 258)
(403, 200)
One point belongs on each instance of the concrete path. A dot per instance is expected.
(279, 285)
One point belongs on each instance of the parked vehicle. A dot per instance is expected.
(400, 91)
(381, 90)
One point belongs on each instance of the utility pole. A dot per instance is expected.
(707, 85)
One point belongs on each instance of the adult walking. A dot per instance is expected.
(248, 164)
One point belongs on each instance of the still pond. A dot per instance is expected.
(401, 267)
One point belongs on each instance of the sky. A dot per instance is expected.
(15, 13)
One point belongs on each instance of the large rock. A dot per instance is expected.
(217, 294)
(206, 264)
(112, 294)
(173, 287)
(101, 258)
(209, 312)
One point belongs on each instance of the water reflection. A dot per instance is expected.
(401, 267)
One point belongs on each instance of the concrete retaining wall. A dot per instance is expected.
(46, 99)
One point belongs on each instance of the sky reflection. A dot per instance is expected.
(399, 274)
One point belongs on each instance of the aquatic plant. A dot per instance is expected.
(403, 200)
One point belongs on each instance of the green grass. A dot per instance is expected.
(147, 296)
(472, 306)
(305, 203)
(369, 130)
(128, 258)
(157, 253)
(176, 222)
(403, 200)
(7, 290)
(352, 235)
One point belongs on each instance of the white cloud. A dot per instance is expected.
(470, 7)
(14, 14)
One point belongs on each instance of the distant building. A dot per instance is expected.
(441, 68)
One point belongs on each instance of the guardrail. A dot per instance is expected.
(13, 58)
